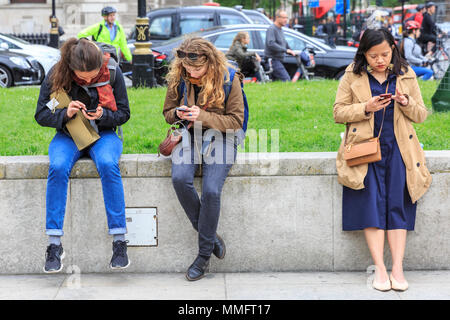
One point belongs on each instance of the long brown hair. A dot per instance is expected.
(216, 73)
(406, 34)
(241, 35)
(76, 54)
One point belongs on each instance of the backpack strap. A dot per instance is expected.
(227, 86)
(99, 31)
(95, 85)
(240, 134)
(180, 88)
(112, 66)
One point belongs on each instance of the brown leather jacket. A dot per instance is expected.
(223, 117)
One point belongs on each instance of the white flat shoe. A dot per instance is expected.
(386, 286)
(398, 286)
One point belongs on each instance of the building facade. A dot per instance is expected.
(32, 16)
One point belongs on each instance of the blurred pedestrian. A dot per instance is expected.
(331, 30)
(320, 31)
(412, 51)
(429, 31)
(248, 62)
(276, 46)
(418, 16)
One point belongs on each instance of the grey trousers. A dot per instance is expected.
(217, 161)
(279, 71)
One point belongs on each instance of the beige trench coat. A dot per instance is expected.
(349, 107)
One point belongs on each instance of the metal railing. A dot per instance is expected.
(33, 38)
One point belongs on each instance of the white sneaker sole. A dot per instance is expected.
(118, 268)
(62, 266)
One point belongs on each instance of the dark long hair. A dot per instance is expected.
(405, 34)
(373, 37)
(76, 54)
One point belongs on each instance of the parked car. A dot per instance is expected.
(17, 68)
(257, 17)
(330, 63)
(168, 23)
(46, 56)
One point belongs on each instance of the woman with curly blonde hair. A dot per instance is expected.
(196, 95)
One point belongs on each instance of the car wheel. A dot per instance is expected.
(42, 73)
(339, 75)
(5, 77)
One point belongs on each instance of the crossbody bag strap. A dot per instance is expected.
(384, 112)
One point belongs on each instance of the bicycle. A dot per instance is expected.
(305, 61)
(265, 73)
(439, 61)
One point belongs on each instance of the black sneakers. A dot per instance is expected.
(53, 258)
(55, 254)
(119, 259)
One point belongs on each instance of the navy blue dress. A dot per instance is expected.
(384, 203)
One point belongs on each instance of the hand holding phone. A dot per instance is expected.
(182, 109)
(385, 96)
(182, 112)
(93, 114)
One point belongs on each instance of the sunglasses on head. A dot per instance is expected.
(191, 55)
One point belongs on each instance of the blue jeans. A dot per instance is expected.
(105, 153)
(203, 213)
(421, 71)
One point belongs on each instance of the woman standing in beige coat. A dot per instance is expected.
(382, 195)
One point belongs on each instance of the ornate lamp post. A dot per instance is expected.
(143, 60)
(54, 34)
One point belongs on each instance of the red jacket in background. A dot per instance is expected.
(419, 18)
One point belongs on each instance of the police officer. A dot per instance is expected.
(108, 31)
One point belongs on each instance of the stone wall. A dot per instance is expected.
(280, 212)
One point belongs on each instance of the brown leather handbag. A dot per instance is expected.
(366, 151)
(173, 137)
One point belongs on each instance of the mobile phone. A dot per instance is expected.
(182, 109)
(91, 110)
(385, 96)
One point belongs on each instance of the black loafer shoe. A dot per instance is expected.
(219, 247)
(197, 269)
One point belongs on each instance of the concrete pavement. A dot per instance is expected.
(219, 286)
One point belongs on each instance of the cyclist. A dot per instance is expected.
(429, 30)
(248, 62)
(418, 16)
(412, 51)
(108, 31)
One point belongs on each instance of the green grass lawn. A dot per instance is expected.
(302, 112)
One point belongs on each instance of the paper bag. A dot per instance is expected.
(79, 127)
